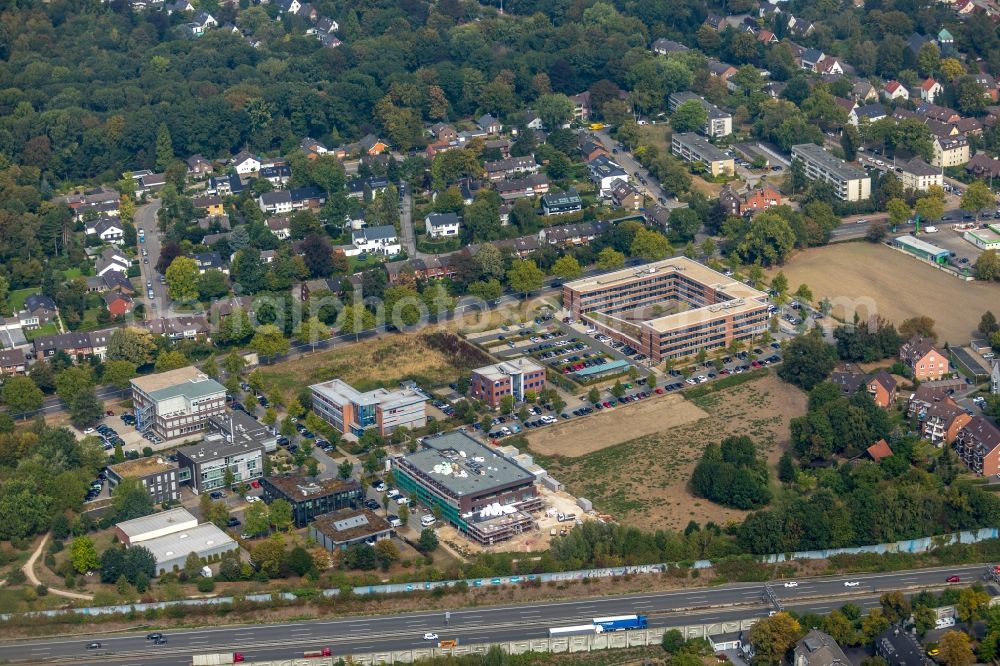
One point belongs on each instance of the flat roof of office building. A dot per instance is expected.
(214, 447)
(502, 369)
(155, 521)
(300, 488)
(350, 524)
(141, 467)
(199, 539)
(189, 382)
(464, 466)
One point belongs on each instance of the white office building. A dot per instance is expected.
(849, 183)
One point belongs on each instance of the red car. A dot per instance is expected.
(659, 391)
(952, 579)
(607, 404)
(255, 484)
(755, 364)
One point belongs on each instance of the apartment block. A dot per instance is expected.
(350, 410)
(978, 445)
(669, 309)
(950, 151)
(176, 403)
(926, 362)
(718, 123)
(849, 183)
(919, 175)
(513, 377)
(693, 148)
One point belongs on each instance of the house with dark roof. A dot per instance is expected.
(278, 175)
(12, 362)
(560, 203)
(108, 229)
(489, 124)
(941, 421)
(383, 240)
(245, 163)
(868, 112)
(666, 46)
(978, 445)
(624, 195)
(442, 225)
(530, 186)
(198, 166)
(210, 261)
(900, 648)
(339, 530)
(882, 388)
(178, 328)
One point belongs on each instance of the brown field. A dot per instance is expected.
(643, 481)
(366, 365)
(598, 431)
(894, 285)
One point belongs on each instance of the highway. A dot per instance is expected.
(361, 634)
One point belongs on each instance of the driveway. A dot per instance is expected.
(631, 165)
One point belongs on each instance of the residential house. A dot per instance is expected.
(916, 42)
(879, 451)
(178, 328)
(830, 66)
(766, 37)
(730, 200)
(311, 147)
(277, 175)
(901, 648)
(723, 71)
(489, 124)
(758, 199)
(950, 151)
(930, 90)
(78, 346)
(590, 150)
(626, 196)
(231, 184)
(209, 205)
(939, 113)
(882, 388)
(800, 28)
(198, 166)
(327, 26)
(146, 182)
(849, 378)
(111, 281)
(374, 184)
(246, 163)
(443, 132)
(863, 91)
(919, 175)
(328, 41)
(963, 7)
(38, 311)
(529, 186)
(604, 172)
(179, 6)
(923, 358)
(442, 225)
(715, 22)
(12, 362)
(426, 268)
(573, 235)
(287, 6)
(111, 259)
(560, 203)
(286, 201)
(511, 167)
(658, 216)
(280, 227)
(819, 649)
(210, 261)
(375, 240)
(372, 145)
(978, 445)
(501, 145)
(868, 112)
(201, 22)
(118, 304)
(108, 229)
(989, 85)
(666, 46)
(581, 106)
(895, 90)
(810, 58)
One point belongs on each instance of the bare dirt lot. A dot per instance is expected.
(877, 279)
(643, 481)
(579, 437)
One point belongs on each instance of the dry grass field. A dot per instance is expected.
(643, 481)
(876, 279)
(382, 361)
(600, 430)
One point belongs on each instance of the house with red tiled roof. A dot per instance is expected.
(941, 421)
(978, 445)
(895, 90)
(930, 89)
(879, 451)
(766, 37)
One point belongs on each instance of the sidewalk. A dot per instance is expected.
(29, 572)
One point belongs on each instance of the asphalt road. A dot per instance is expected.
(479, 624)
(145, 218)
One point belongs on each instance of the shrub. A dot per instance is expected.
(206, 584)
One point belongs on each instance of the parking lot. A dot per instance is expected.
(962, 253)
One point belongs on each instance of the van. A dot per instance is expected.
(394, 520)
(427, 520)
(931, 229)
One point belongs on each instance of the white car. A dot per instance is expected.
(702, 378)
(429, 636)
(88, 431)
(252, 499)
(791, 583)
(851, 583)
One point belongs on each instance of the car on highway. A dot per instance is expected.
(154, 636)
(162, 640)
(952, 579)
(851, 583)
(96, 645)
(791, 583)
(430, 636)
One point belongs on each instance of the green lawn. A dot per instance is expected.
(17, 297)
(370, 261)
(71, 273)
(48, 329)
